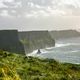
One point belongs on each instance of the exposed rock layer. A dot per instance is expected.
(36, 40)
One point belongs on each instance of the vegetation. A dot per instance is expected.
(18, 67)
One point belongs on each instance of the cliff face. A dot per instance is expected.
(64, 34)
(36, 40)
(20, 42)
(9, 41)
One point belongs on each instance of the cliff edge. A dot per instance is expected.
(36, 40)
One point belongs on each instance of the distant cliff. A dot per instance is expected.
(9, 41)
(64, 34)
(36, 40)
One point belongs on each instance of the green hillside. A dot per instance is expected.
(18, 67)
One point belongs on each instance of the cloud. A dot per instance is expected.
(10, 1)
(4, 13)
(55, 12)
(66, 3)
(36, 14)
(38, 8)
(39, 14)
(2, 5)
(31, 4)
(10, 4)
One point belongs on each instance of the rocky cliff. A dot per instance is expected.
(64, 34)
(36, 40)
(9, 41)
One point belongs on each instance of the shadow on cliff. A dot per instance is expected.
(9, 41)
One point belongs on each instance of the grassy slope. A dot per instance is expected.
(18, 67)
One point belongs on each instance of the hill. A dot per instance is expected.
(19, 67)
(64, 34)
(36, 40)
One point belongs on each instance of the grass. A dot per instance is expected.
(18, 67)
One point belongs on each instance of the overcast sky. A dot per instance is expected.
(39, 14)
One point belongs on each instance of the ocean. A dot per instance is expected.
(65, 50)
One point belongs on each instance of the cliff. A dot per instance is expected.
(9, 41)
(64, 34)
(36, 40)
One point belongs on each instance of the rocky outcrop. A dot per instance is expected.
(36, 40)
(64, 34)
(9, 41)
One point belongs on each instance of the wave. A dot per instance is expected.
(62, 45)
(34, 53)
(49, 48)
(67, 52)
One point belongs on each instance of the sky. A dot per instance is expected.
(39, 14)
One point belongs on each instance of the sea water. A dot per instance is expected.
(65, 50)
